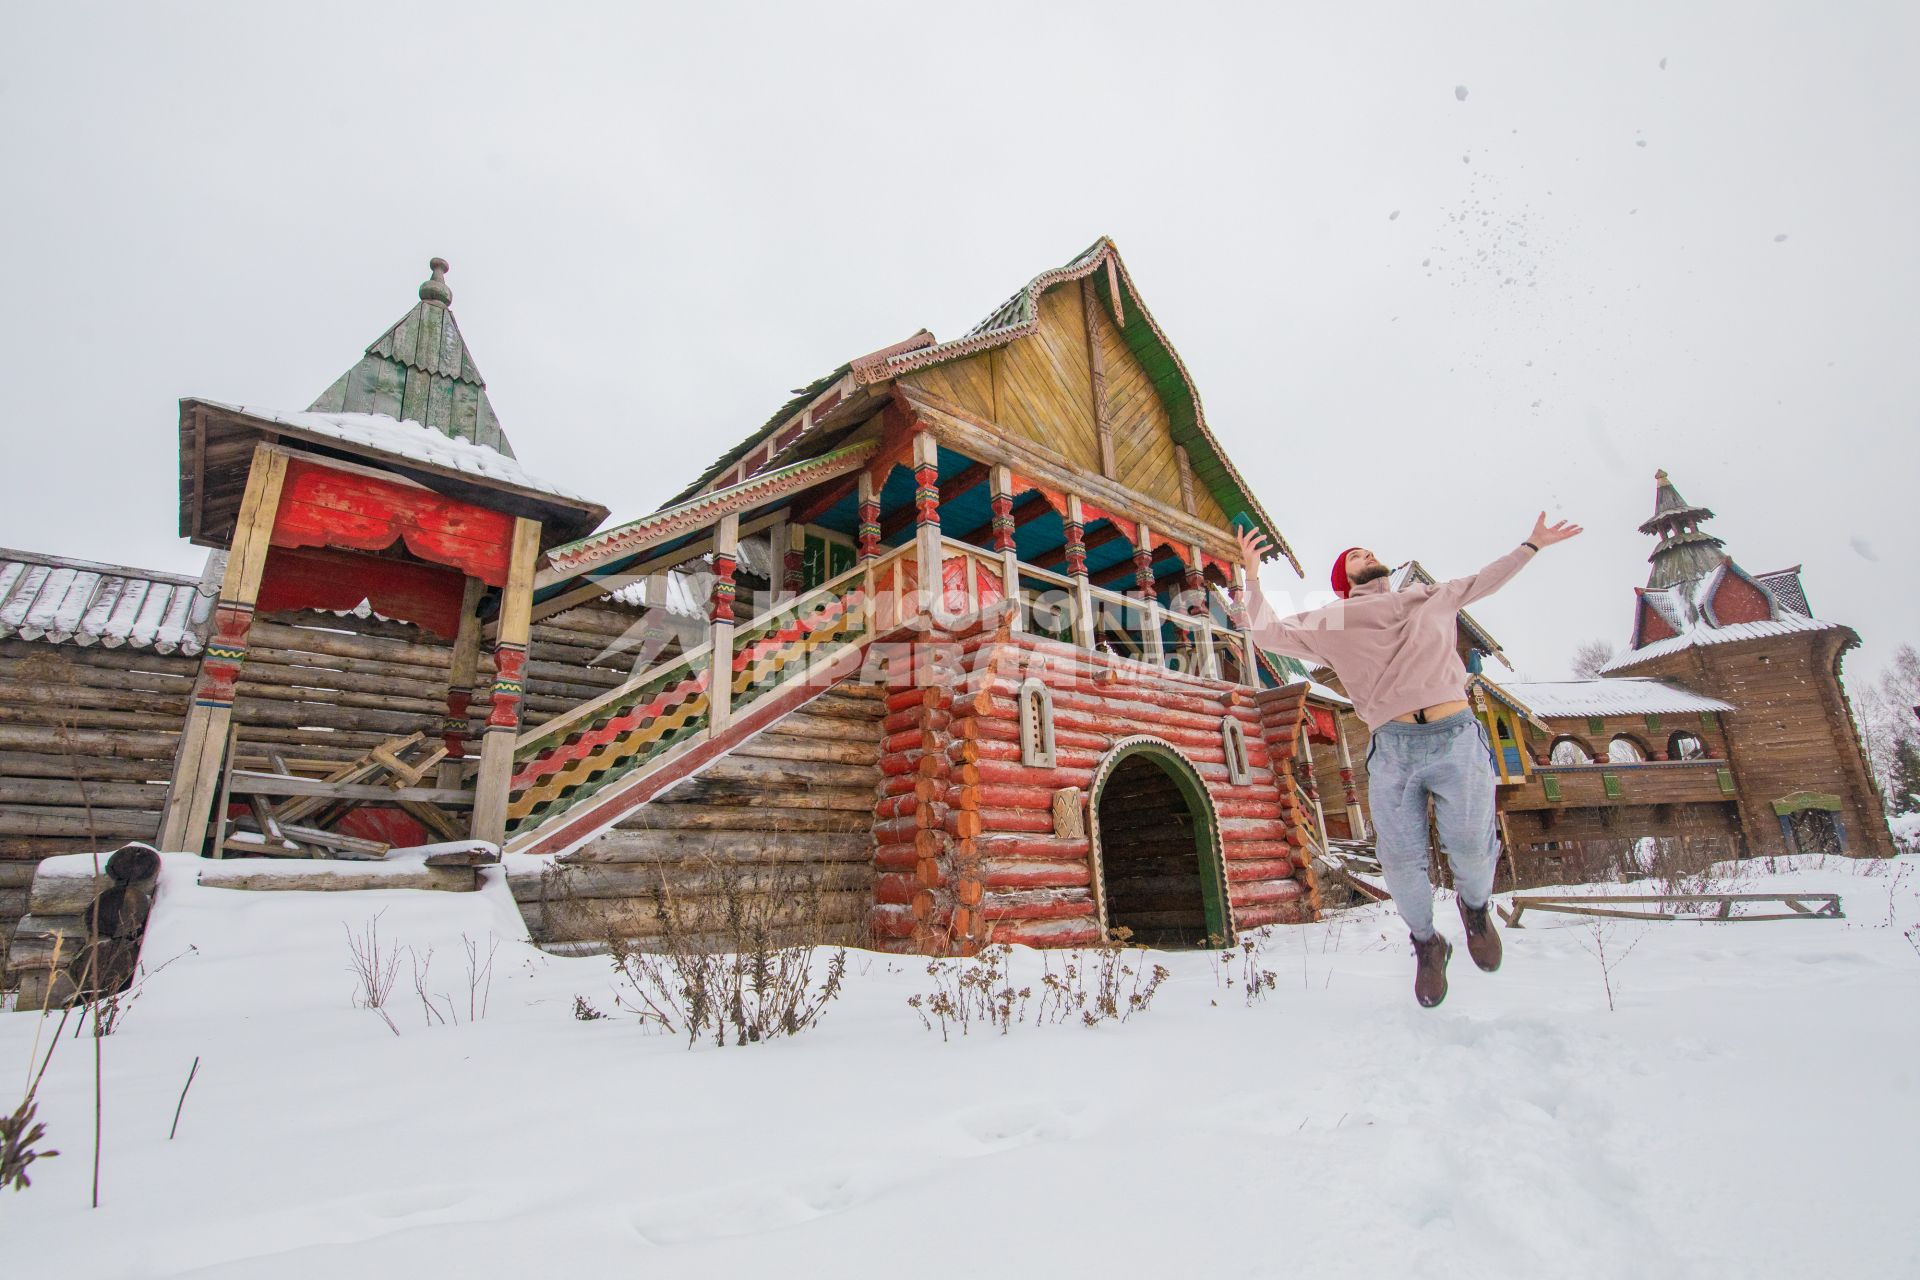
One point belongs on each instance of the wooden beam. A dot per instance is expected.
(495, 779)
(1097, 368)
(203, 738)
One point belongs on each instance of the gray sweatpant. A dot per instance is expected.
(1451, 761)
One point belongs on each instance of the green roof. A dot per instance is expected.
(420, 370)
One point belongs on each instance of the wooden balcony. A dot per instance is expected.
(1652, 782)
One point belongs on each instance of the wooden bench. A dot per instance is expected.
(1729, 906)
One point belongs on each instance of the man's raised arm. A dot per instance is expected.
(1269, 631)
(1478, 586)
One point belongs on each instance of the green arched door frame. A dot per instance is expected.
(1208, 854)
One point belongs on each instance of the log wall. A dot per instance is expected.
(966, 852)
(322, 687)
(112, 715)
(783, 823)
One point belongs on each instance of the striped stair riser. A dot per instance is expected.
(751, 646)
(551, 754)
(562, 736)
(613, 745)
(573, 764)
(761, 670)
(584, 778)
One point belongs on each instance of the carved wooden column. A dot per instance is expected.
(926, 518)
(1000, 486)
(495, 783)
(1198, 607)
(1149, 598)
(869, 533)
(1237, 612)
(465, 669)
(1356, 820)
(1077, 570)
(203, 738)
(1303, 769)
(726, 557)
(793, 564)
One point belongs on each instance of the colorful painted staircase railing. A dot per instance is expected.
(572, 758)
(803, 636)
(637, 728)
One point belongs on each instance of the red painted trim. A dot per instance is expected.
(426, 595)
(322, 507)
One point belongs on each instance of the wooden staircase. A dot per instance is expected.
(781, 824)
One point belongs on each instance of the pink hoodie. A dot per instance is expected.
(1394, 651)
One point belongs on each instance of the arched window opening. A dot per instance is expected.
(1233, 740)
(1624, 750)
(1686, 746)
(1036, 724)
(1568, 751)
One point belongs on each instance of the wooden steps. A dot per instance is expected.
(782, 824)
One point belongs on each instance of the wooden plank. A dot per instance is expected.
(337, 842)
(247, 782)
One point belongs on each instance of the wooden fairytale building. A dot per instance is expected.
(989, 681)
(1724, 724)
(950, 647)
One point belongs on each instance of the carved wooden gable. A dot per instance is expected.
(1055, 387)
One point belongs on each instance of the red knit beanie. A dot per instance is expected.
(1340, 585)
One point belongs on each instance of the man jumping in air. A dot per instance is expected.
(1394, 651)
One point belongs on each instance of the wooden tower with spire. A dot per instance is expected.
(1751, 640)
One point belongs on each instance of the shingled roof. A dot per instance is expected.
(420, 370)
(1018, 317)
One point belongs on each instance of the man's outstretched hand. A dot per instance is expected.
(1253, 548)
(1544, 535)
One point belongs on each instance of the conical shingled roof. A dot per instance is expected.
(1670, 508)
(1685, 552)
(421, 371)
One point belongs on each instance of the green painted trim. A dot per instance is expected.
(1611, 781)
(1208, 850)
(1800, 801)
(1653, 724)
(1550, 785)
(1596, 725)
(1725, 777)
(1710, 719)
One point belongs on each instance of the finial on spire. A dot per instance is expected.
(435, 290)
(1661, 475)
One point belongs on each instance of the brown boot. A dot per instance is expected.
(1483, 942)
(1430, 978)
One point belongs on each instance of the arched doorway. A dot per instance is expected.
(1157, 862)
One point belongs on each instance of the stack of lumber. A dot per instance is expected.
(782, 824)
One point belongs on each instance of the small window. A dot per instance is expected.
(1036, 724)
(1233, 741)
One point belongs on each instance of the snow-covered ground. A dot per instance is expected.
(1748, 1109)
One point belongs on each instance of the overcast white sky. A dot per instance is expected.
(661, 218)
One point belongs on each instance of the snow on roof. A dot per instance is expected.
(1628, 696)
(79, 602)
(1700, 633)
(409, 441)
(688, 592)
